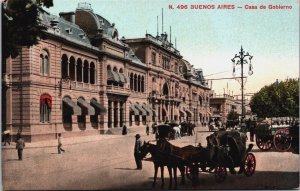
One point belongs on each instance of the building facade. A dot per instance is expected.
(84, 79)
(222, 105)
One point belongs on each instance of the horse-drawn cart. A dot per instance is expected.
(225, 150)
(277, 133)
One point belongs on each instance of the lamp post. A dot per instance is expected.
(242, 59)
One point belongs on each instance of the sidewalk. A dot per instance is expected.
(77, 140)
(91, 138)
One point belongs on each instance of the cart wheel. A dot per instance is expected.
(250, 164)
(264, 143)
(282, 140)
(192, 172)
(220, 174)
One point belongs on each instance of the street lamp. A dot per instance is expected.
(242, 59)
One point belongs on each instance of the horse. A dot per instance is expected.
(177, 131)
(162, 159)
(166, 154)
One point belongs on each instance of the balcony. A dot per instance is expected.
(117, 90)
(74, 85)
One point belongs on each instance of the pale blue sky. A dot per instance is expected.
(209, 39)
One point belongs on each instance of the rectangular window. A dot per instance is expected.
(176, 68)
(153, 58)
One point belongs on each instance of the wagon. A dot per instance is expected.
(225, 150)
(278, 133)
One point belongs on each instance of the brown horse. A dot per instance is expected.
(166, 154)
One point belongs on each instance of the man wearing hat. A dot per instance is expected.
(137, 152)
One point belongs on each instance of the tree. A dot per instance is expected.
(232, 118)
(280, 99)
(21, 24)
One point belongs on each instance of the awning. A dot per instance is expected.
(153, 110)
(182, 113)
(189, 112)
(136, 111)
(99, 108)
(69, 107)
(46, 100)
(122, 78)
(86, 107)
(112, 76)
(139, 107)
(149, 111)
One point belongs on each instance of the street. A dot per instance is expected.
(107, 162)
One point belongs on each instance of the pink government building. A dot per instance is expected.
(84, 79)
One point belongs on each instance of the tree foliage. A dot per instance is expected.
(280, 99)
(21, 24)
(233, 115)
(232, 118)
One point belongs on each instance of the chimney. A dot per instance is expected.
(68, 16)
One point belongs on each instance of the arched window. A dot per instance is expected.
(72, 68)
(200, 100)
(108, 67)
(131, 81)
(79, 70)
(45, 107)
(92, 73)
(135, 82)
(165, 89)
(64, 66)
(44, 63)
(139, 83)
(86, 72)
(143, 84)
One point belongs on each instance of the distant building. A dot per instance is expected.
(222, 105)
(85, 80)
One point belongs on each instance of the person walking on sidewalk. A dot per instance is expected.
(137, 152)
(20, 145)
(6, 137)
(59, 147)
(124, 130)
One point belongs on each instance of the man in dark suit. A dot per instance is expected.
(20, 145)
(137, 152)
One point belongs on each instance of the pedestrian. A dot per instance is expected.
(20, 145)
(252, 130)
(137, 152)
(59, 146)
(124, 130)
(6, 137)
(147, 129)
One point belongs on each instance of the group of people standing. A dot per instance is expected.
(20, 143)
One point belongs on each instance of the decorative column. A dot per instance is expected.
(115, 115)
(109, 114)
(122, 114)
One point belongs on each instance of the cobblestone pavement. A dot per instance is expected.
(107, 162)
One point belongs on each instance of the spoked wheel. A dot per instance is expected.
(192, 172)
(220, 174)
(282, 140)
(250, 164)
(264, 143)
